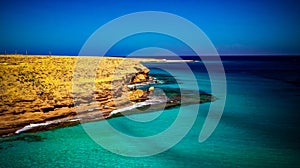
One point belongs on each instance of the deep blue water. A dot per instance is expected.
(259, 126)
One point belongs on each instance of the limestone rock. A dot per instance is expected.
(139, 78)
(136, 95)
(146, 70)
(39, 89)
(151, 89)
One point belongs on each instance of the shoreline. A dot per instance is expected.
(129, 110)
(37, 91)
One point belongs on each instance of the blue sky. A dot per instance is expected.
(234, 27)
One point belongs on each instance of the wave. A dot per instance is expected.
(154, 81)
(31, 126)
(137, 105)
(131, 86)
(151, 101)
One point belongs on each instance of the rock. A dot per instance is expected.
(110, 104)
(136, 95)
(139, 78)
(46, 109)
(38, 93)
(146, 70)
(151, 89)
(48, 96)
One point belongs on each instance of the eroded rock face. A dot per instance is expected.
(140, 77)
(39, 89)
(137, 95)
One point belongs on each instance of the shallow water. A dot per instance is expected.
(259, 127)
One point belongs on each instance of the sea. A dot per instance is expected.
(259, 125)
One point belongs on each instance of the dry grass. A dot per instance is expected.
(49, 78)
(33, 88)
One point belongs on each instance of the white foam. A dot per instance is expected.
(73, 120)
(138, 84)
(136, 105)
(155, 81)
(30, 126)
(153, 100)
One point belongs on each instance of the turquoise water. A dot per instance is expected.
(259, 128)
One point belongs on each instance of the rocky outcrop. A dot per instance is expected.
(41, 92)
(141, 76)
(38, 89)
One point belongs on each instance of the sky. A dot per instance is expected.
(256, 27)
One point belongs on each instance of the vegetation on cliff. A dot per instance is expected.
(45, 92)
(36, 89)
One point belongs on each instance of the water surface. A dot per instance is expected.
(259, 126)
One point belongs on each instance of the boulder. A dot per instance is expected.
(151, 89)
(139, 78)
(136, 95)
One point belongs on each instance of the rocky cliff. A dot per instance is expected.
(44, 92)
(38, 89)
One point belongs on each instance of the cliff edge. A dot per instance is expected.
(39, 89)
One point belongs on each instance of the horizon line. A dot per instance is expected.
(157, 55)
